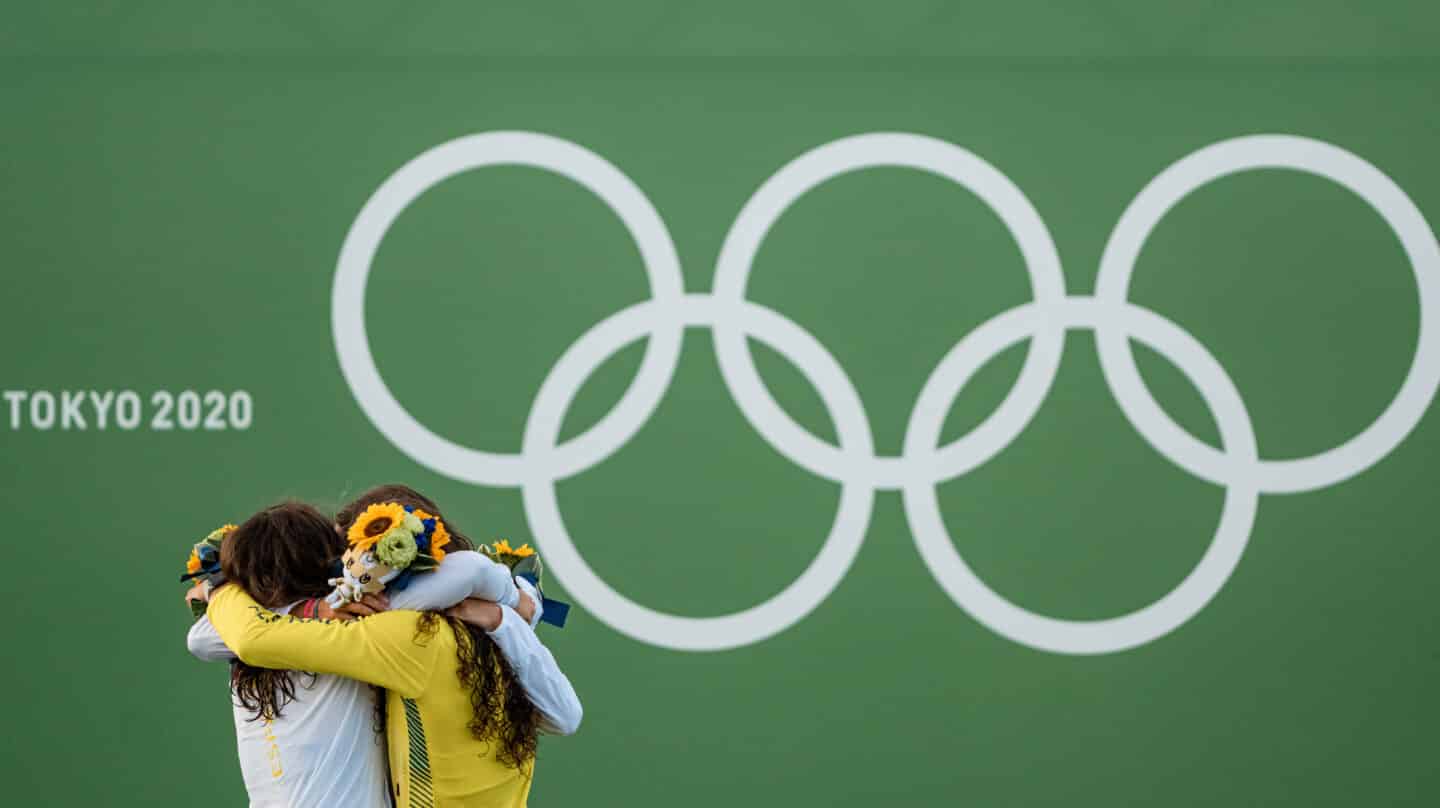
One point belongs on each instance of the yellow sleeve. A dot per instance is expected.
(381, 649)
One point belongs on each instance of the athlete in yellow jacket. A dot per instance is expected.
(435, 759)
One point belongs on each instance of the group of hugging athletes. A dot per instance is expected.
(384, 628)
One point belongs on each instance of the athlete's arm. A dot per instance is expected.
(382, 650)
(463, 574)
(205, 644)
(535, 667)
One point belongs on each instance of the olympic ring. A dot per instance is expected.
(923, 463)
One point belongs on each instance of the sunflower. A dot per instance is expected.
(502, 547)
(192, 564)
(376, 521)
(439, 537)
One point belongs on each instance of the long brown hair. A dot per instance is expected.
(500, 710)
(280, 555)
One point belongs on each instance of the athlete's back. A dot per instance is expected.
(322, 750)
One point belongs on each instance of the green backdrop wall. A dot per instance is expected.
(178, 179)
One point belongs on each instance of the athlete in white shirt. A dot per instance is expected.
(323, 749)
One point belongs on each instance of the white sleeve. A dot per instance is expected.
(463, 574)
(545, 685)
(205, 644)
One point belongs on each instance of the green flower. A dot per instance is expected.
(396, 549)
(413, 524)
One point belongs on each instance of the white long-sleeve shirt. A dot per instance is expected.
(323, 750)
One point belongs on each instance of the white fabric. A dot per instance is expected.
(323, 749)
(535, 667)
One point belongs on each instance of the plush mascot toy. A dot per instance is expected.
(389, 543)
(361, 574)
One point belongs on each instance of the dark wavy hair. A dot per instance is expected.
(280, 555)
(500, 711)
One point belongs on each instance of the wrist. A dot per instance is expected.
(486, 616)
(495, 615)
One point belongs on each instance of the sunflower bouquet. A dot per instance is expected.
(520, 559)
(204, 563)
(525, 563)
(388, 544)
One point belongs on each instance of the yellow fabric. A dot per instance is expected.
(384, 650)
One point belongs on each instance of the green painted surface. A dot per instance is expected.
(175, 185)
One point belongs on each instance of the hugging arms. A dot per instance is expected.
(470, 586)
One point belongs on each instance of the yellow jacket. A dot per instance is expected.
(434, 759)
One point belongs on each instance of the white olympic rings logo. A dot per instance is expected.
(853, 464)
